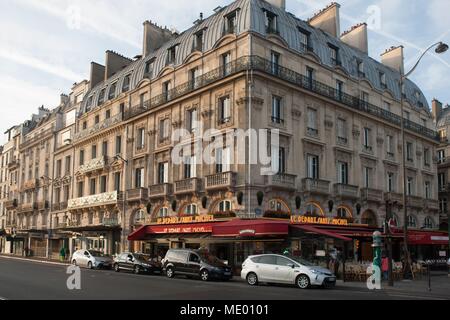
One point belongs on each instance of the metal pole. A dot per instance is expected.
(405, 209)
(389, 244)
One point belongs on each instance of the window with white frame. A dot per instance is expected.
(164, 130)
(443, 206)
(278, 159)
(312, 167)
(277, 112)
(190, 167)
(342, 172)
(428, 191)
(275, 62)
(412, 222)
(312, 122)
(192, 120)
(223, 160)
(140, 138)
(224, 110)
(410, 186)
(391, 182)
(163, 173)
(163, 212)
(409, 151)
(441, 156)
(225, 206)
(368, 173)
(342, 131)
(442, 181)
(367, 139)
(428, 223)
(139, 180)
(390, 145)
(191, 209)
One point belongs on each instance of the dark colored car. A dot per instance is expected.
(194, 263)
(137, 263)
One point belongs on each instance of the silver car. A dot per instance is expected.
(272, 268)
(92, 259)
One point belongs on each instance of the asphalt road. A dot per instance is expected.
(23, 280)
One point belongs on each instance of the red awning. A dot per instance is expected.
(323, 232)
(251, 228)
(179, 229)
(427, 238)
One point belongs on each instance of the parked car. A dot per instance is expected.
(137, 262)
(195, 263)
(91, 259)
(271, 268)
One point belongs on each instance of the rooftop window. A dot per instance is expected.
(101, 97)
(271, 21)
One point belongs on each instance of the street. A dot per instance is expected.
(24, 280)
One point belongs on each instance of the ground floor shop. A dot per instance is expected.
(106, 241)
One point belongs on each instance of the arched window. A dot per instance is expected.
(412, 222)
(343, 213)
(428, 223)
(225, 205)
(313, 210)
(163, 212)
(190, 209)
(369, 218)
(277, 205)
(139, 217)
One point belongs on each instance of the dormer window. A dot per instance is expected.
(112, 91)
(334, 55)
(305, 40)
(361, 72)
(271, 21)
(101, 97)
(126, 83)
(230, 23)
(89, 102)
(383, 80)
(198, 41)
(172, 55)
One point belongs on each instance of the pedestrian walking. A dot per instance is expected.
(62, 254)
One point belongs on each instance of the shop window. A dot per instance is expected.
(313, 210)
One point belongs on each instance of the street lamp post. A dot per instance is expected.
(440, 48)
(119, 157)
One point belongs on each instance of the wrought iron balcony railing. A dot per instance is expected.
(257, 63)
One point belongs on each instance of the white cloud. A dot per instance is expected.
(21, 98)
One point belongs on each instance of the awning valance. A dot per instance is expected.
(251, 228)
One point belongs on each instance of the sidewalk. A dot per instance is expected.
(34, 259)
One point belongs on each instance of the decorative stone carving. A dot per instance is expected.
(296, 113)
(93, 201)
(98, 127)
(380, 141)
(344, 156)
(368, 162)
(356, 132)
(328, 123)
(245, 100)
(151, 133)
(93, 165)
(177, 124)
(207, 114)
(311, 147)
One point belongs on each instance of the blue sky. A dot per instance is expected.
(47, 45)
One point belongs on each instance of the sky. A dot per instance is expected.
(47, 45)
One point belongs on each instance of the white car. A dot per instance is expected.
(271, 268)
(91, 259)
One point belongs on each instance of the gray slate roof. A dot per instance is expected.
(251, 18)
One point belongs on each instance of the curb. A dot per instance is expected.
(33, 260)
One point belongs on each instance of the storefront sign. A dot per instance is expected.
(191, 219)
(247, 232)
(319, 220)
(175, 230)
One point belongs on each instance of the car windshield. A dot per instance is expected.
(210, 259)
(97, 254)
(303, 262)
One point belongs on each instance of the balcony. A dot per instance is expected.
(394, 197)
(137, 195)
(27, 207)
(314, 186)
(110, 222)
(187, 186)
(30, 184)
(36, 138)
(13, 165)
(11, 204)
(372, 195)
(160, 191)
(431, 204)
(415, 202)
(94, 165)
(108, 123)
(43, 205)
(281, 181)
(218, 181)
(103, 199)
(346, 191)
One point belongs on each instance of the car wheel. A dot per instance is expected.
(170, 273)
(252, 279)
(204, 275)
(89, 265)
(137, 270)
(303, 281)
(74, 262)
(116, 267)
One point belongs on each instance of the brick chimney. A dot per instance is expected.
(328, 20)
(154, 37)
(357, 37)
(436, 109)
(394, 58)
(278, 3)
